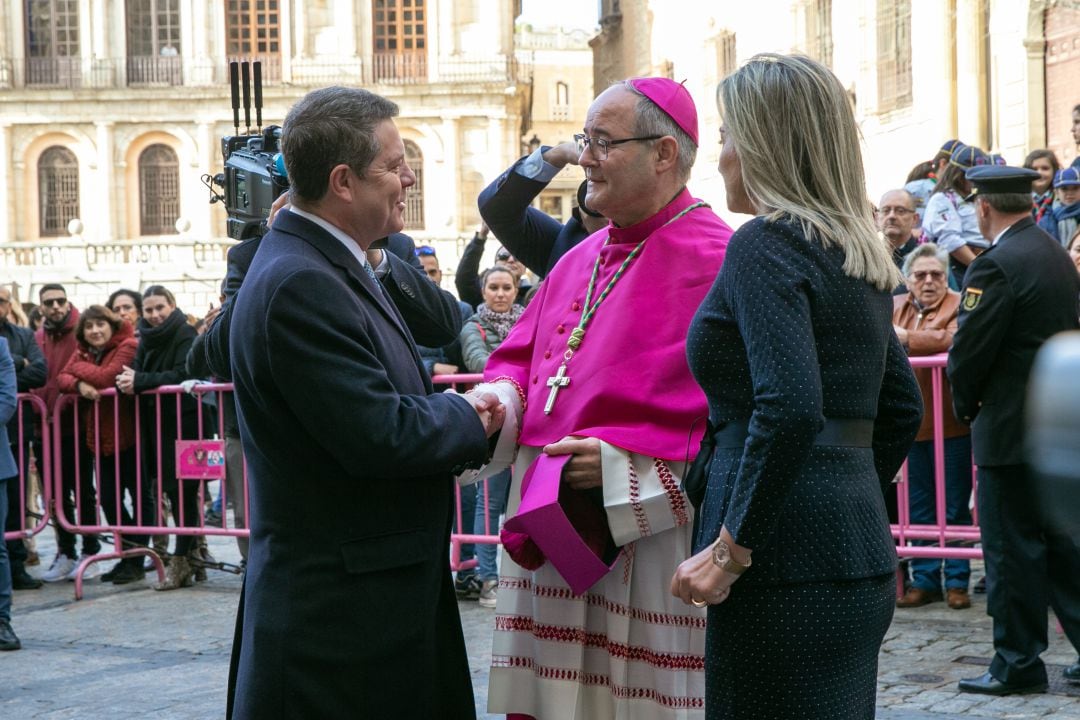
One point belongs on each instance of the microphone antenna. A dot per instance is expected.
(256, 68)
(234, 87)
(245, 73)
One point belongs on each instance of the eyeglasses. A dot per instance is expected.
(503, 255)
(54, 302)
(901, 211)
(600, 146)
(921, 275)
(425, 250)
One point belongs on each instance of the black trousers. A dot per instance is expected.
(65, 541)
(113, 485)
(1030, 566)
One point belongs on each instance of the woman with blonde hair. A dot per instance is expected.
(812, 409)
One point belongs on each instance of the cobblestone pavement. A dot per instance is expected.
(129, 652)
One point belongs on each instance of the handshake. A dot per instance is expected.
(488, 407)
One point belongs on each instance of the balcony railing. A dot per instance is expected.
(75, 256)
(166, 71)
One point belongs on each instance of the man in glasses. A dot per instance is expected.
(57, 340)
(606, 389)
(925, 321)
(896, 220)
(30, 373)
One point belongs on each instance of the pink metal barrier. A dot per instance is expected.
(198, 458)
(946, 541)
(30, 413)
(943, 540)
(490, 536)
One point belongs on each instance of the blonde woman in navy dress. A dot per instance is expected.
(812, 406)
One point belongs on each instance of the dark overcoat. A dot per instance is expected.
(1017, 295)
(348, 608)
(534, 237)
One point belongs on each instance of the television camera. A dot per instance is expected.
(254, 174)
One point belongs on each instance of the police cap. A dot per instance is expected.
(995, 179)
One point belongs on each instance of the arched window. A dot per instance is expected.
(562, 93)
(58, 191)
(159, 190)
(414, 197)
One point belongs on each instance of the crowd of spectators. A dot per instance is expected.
(930, 223)
(106, 357)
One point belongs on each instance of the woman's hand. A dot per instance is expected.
(699, 581)
(583, 471)
(87, 390)
(125, 381)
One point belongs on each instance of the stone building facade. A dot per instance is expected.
(1000, 74)
(112, 111)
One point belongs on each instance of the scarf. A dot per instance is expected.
(59, 327)
(155, 337)
(499, 322)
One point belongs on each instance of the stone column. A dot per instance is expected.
(107, 197)
(201, 215)
(971, 73)
(345, 22)
(7, 225)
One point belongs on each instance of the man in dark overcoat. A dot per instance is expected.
(348, 609)
(1017, 294)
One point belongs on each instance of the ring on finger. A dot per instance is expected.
(698, 603)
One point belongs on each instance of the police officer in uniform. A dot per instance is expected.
(1016, 294)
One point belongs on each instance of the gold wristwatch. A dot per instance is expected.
(721, 557)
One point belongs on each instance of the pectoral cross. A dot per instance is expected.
(556, 382)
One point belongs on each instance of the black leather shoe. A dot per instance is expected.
(8, 639)
(22, 580)
(1072, 673)
(987, 684)
(128, 572)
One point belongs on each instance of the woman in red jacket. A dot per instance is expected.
(105, 345)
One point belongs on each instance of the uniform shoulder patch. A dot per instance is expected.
(972, 296)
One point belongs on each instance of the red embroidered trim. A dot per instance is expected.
(621, 692)
(579, 636)
(517, 386)
(599, 601)
(628, 562)
(635, 502)
(675, 496)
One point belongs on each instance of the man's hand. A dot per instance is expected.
(583, 471)
(562, 155)
(482, 231)
(87, 390)
(125, 381)
(444, 369)
(211, 315)
(491, 411)
(281, 201)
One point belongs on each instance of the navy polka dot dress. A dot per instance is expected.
(786, 339)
